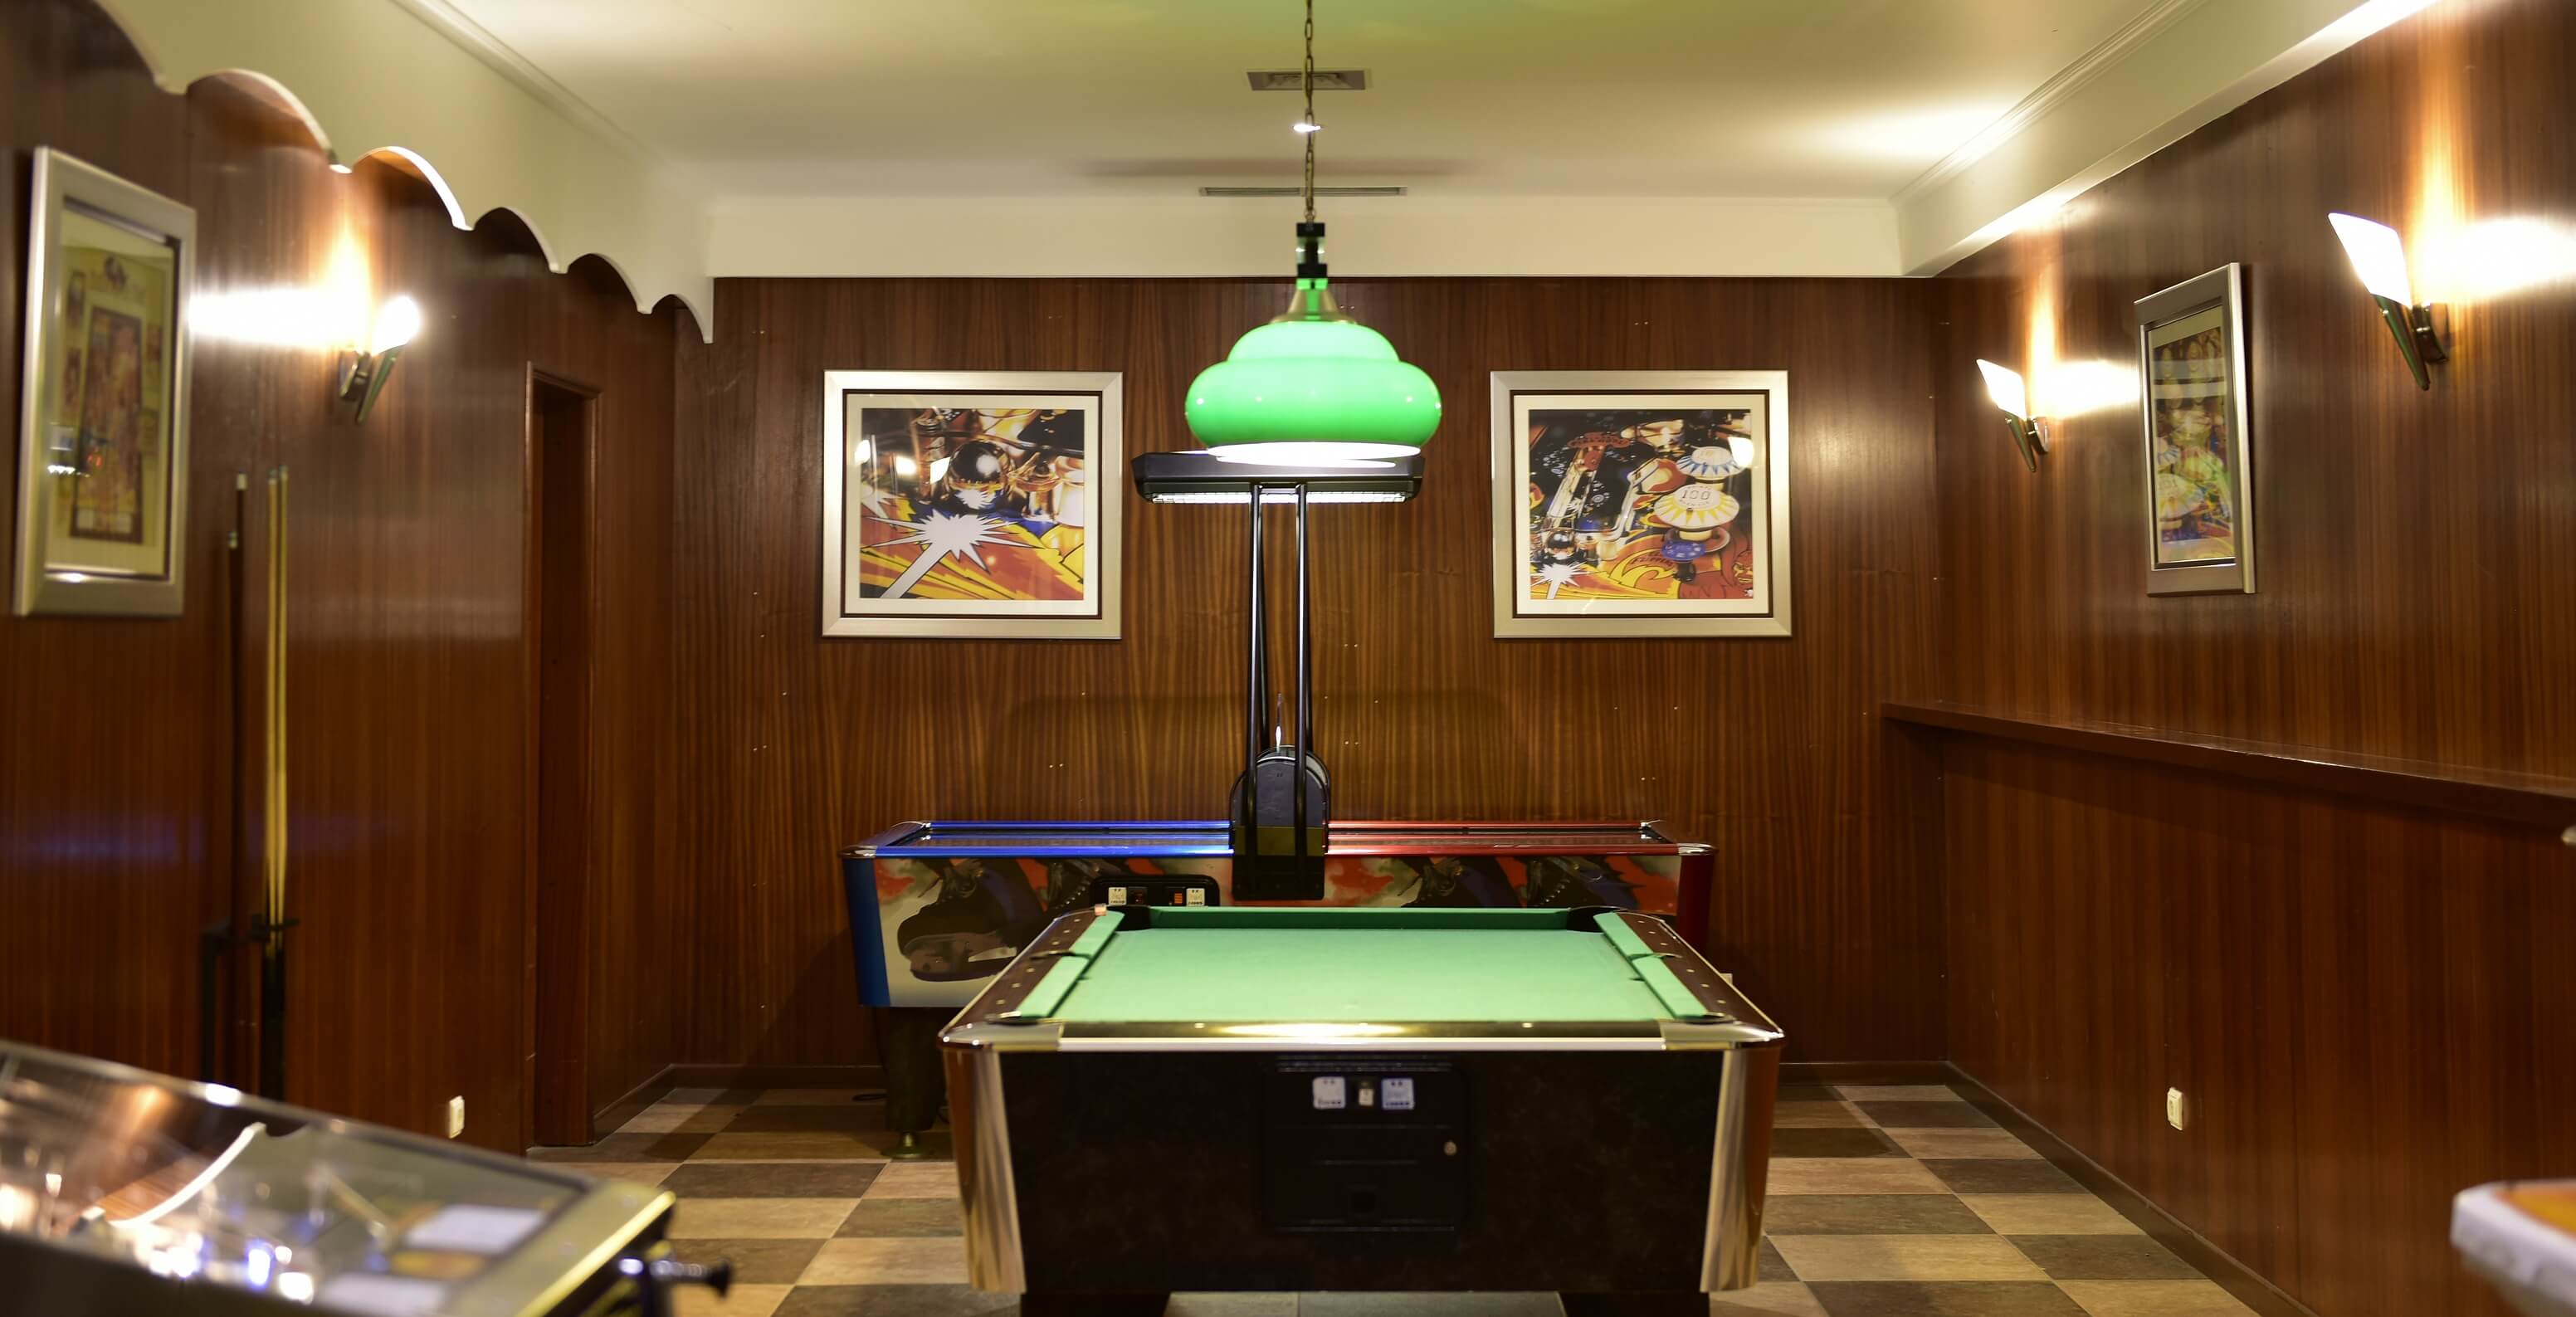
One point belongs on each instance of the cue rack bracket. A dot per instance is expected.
(1279, 813)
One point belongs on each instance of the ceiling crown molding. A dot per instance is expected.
(2048, 96)
(477, 40)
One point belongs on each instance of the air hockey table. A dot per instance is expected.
(938, 909)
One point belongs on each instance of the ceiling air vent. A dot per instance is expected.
(1384, 191)
(1294, 79)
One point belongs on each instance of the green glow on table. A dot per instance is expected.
(1329, 974)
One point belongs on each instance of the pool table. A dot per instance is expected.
(1152, 1099)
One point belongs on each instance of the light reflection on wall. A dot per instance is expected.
(2074, 388)
(324, 316)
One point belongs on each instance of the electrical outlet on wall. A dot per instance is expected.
(455, 1116)
(2177, 1108)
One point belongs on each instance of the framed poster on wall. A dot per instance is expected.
(2200, 456)
(1641, 503)
(971, 504)
(103, 417)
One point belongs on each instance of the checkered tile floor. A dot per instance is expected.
(1885, 1202)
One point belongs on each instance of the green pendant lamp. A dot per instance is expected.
(1313, 387)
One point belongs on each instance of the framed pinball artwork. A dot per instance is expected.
(103, 416)
(971, 504)
(2200, 456)
(1641, 503)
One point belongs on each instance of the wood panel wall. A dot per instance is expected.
(408, 691)
(792, 746)
(2368, 1005)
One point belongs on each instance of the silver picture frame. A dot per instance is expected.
(113, 430)
(1763, 524)
(2198, 444)
(985, 530)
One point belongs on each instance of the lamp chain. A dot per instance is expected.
(1309, 134)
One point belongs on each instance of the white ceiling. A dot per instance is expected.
(1003, 98)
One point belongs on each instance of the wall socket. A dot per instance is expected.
(2177, 1108)
(455, 1116)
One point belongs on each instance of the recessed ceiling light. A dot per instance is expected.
(1295, 79)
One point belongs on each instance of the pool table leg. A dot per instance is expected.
(1688, 1303)
(1093, 1305)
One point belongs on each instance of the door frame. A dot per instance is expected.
(555, 1069)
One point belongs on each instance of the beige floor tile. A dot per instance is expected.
(667, 1118)
(1815, 1115)
(693, 1097)
(1905, 1257)
(2049, 1214)
(1772, 1296)
(786, 1145)
(1231, 1305)
(888, 1262)
(1988, 1145)
(1852, 1175)
(2153, 1298)
(742, 1301)
(916, 1180)
(1897, 1093)
(630, 1172)
(759, 1218)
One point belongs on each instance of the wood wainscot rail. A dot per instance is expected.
(2526, 798)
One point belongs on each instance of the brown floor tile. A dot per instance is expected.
(1870, 1214)
(2103, 1257)
(2049, 1214)
(1855, 1142)
(1943, 1299)
(1905, 1257)
(729, 1097)
(1851, 1175)
(1805, 1093)
(627, 1148)
(755, 1261)
(1231, 1305)
(1923, 1115)
(791, 1145)
(772, 1179)
(2155, 1298)
(905, 1216)
(761, 1117)
(816, 1097)
(1813, 1115)
(740, 1301)
(2019, 1176)
(1773, 1266)
(895, 1301)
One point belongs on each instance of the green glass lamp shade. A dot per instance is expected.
(1312, 386)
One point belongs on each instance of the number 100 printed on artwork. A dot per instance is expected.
(971, 505)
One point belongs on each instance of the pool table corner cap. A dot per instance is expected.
(1717, 1036)
(1004, 1035)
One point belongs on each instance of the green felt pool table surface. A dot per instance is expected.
(1241, 965)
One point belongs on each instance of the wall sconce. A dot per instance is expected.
(363, 373)
(2030, 433)
(2379, 256)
